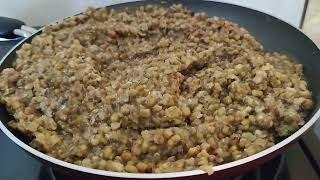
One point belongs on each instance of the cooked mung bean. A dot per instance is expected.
(152, 90)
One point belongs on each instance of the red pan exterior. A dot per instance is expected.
(226, 174)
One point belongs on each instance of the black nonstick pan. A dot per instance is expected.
(272, 33)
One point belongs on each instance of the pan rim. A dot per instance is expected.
(225, 166)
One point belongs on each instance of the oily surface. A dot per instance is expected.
(152, 90)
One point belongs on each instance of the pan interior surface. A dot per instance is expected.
(272, 33)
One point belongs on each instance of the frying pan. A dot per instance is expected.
(274, 35)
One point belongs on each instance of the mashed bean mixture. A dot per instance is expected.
(152, 90)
